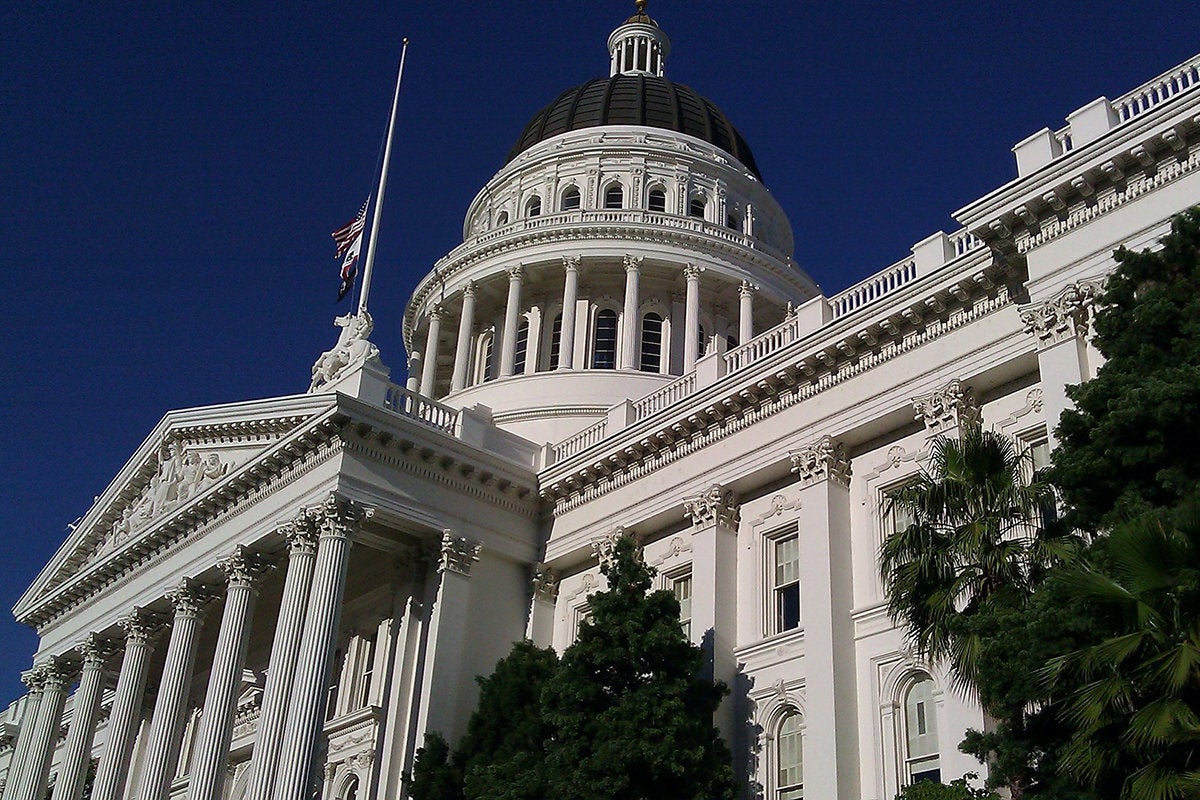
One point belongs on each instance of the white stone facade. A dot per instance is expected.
(278, 598)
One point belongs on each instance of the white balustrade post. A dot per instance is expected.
(32, 782)
(170, 706)
(429, 365)
(746, 312)
(691, 320)
(302, 552)
(338, 520)
(566, 338)
(126, 708)
(86, 713)
(462, 350)
(512, 316)
(32, 678)
(242, 572)
(629, 319)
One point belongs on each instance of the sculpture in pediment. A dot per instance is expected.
(181, 475)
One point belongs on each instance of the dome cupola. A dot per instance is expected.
(639, 46)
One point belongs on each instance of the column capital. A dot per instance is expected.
(692, 271)
(571, 263)
(337, 516)
(545, 582)
(34, 678)
(716, 505)
(516, 274)
(242, 568)
(94, 650)
(188, 598)
(300, 534)
(952, 405)
(469, 289)
(605, 545)
(139, 625)
(824, 459)
(56, 672)
(436, 311)
(633, 263)
(747, 289)
(458, 553)
(1064, 316)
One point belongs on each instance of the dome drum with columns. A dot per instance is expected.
(629, 233)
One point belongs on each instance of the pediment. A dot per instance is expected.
(184, 462)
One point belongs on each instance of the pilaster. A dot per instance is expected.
(544, 582)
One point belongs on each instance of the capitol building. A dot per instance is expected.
(277, 599)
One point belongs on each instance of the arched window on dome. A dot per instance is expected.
(522, 346)
(614, 196)
(570, 199)
(533, 206)
(922, 760)
(697, 206)
(652, 341)
(604, 340)
(485, 356)
(657, 200)
(555, 341)
(501, 218)
(789, 756)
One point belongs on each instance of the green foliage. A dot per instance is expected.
(632, 719)
(1134, 697)
(955, 790)
(623, 715)
(976, 537)
(1132, 444)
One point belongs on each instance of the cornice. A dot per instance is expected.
(802, 370)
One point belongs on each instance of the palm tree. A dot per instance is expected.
(979, 531)
(1133, 699)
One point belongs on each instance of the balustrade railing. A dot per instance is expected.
(580, 441)
(964, 242)
(761, 346)
(420, 408)
(874, 287)
(1158, 90)
(664, 396)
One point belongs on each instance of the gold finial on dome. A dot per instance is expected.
(641, 6)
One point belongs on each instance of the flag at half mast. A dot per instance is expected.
(348, 239)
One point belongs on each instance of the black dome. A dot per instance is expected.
(636, 100)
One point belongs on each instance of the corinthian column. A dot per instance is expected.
(745, 312)
(302, 552)
(429, 366)
(337, 519)
(629, 319)
(33, 680)
(566, 336)
(44, 735)
(170, 707)
(242, 571)
(126, 708)
(691, 319)
(466, 329)
(78, 749)
(512, 316)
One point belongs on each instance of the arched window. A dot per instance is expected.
(351, 790)
(614, 197)
(697, 206)
(555, 341)
(502, 218)
(657, 200)
(522, 346)
(604, 341)
(533, 206)
(487, 356)
(789, 783)
(570, 199)
(921, 755)
(652, 335)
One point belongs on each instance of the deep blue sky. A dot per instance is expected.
(170, 174)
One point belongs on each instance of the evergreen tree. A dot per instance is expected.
(955, 790)
(632, 717)
(1132, 443)
(434, 775)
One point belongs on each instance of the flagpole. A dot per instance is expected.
(369, 262)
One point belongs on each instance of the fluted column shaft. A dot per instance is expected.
(691, 318)
(566, 336)
(78, 749)
(32, 678)
(466, 329)
(512, 317)
(302, 552)
(170, 707)
(242, 571)
(745, 312)
(32, 784)
(429, 366)
(338, 521)
(126, 709)
(629, 319)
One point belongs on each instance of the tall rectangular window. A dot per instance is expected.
(522, 347)
(652, 330)
(604, 342)
(555, 341)
(786, 589)
(682, 587)
(368, 670)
